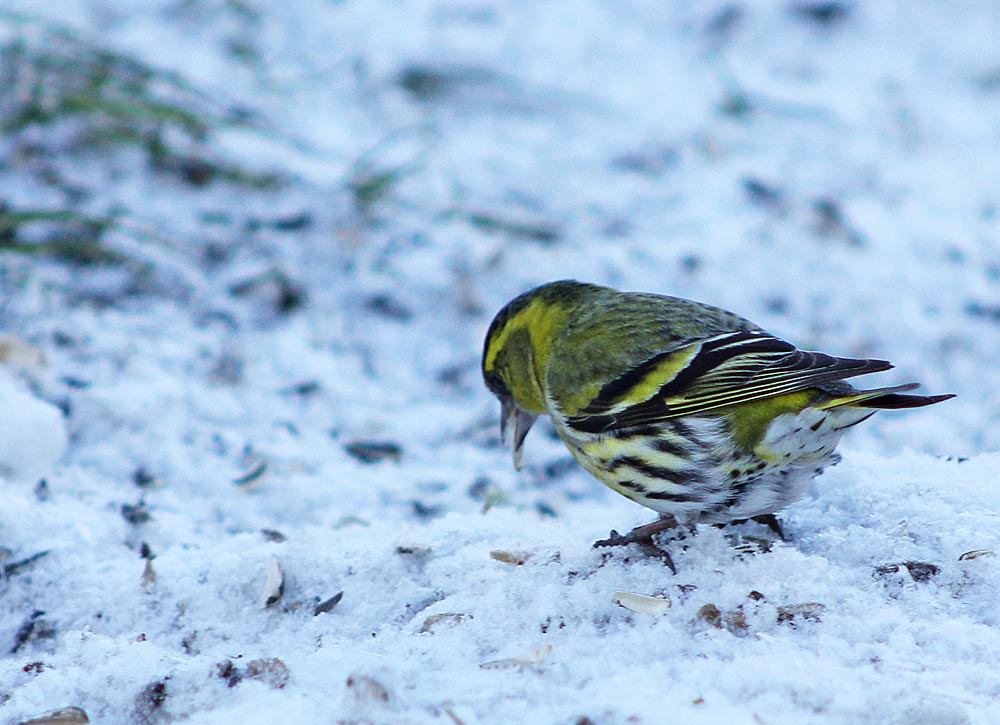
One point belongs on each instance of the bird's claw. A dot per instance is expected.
(643, 536)
(771, 522)
(614, 539)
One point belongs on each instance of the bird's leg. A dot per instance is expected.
(643, 536)
(638, 535)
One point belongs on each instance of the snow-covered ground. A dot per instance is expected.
(286, 377)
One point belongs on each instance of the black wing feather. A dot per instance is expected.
(728, 370)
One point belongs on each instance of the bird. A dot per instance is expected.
(683, 407)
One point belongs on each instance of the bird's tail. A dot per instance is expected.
(890, 398)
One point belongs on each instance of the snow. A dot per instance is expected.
(32, 433)
(190, 430)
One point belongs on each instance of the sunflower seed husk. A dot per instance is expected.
(328, 604)
(19, 354)
(363, 691)
(531, 659)
(809, 611)
(642, 603)
(148, 576)
(253, 476)
(450, 617)
(269, 670)
(62, 716)
(976, 553)
(274, 584)
(516, 558)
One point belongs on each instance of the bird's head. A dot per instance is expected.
(517, 348)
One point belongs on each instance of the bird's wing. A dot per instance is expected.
(708, 374)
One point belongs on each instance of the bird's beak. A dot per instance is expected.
(514, 426)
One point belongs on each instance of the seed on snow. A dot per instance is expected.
(450, 617)
(516, 558)
(364, 692)
(975, 554)
(63, 716)
(252, 477)
(811, 611)
(533, 658)
(148, 575)
(274, 584)
(642, 603)
(328, 604)
(21, 355)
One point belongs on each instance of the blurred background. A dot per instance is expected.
(249, 252)
(387, 174)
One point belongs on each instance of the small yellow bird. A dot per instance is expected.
(685, 408)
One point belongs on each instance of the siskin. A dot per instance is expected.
(685, 408)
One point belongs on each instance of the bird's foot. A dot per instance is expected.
(771, 522)
(643, 537)
(768, 520)
(746, 544)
